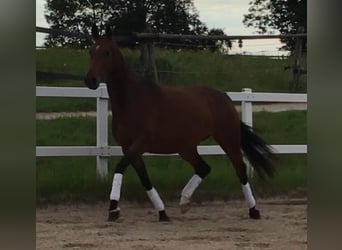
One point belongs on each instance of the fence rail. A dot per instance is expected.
(102, 150)
(135, 37)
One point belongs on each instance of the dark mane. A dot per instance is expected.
(144, 80)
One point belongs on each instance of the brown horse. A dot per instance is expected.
(162, 119)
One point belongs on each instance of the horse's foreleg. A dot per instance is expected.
(187, 192)
(132, 153)
(152, 193)
(114, 210)
(202, 169)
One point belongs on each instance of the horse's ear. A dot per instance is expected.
(108, 32)
(94, 32)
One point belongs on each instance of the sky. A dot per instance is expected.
(224, 14)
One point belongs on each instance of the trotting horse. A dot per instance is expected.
(148, 117)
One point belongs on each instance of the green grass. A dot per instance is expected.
(288, 127)
(66, 132)
(61, 179)
(223, 72)
(75, 177)
(62, 60)
(63, 104)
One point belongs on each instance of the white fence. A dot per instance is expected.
(102, 150)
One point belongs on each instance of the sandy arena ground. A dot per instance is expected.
(211, 225)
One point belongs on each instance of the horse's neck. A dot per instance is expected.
(117, 91)
(128, 90)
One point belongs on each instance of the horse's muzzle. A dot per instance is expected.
(91, 82)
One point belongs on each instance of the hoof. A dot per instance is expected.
(185, 207)
(113, 215)
(184, 204)
(254, 213)
(163, 216)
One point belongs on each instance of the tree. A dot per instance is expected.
(221, 46)
(184, 20)
(76, 16)
(286, 16)
(162, 16)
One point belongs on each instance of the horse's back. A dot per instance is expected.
(186, 116)
(190, 101)
(197, 100)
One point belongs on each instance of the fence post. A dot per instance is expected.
(296, 68)
(247, 117)
(102, 131)
(147, 58)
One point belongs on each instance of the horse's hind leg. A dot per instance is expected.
(201, 168)
(231, 146)
(139, 166)
(240, 168)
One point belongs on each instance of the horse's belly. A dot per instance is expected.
(178, 138)
(166, 147)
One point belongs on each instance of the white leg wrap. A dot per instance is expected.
(189, 189)
(116, 187)
(155, 198)
(246, 189)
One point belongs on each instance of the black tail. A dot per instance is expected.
(257, 151)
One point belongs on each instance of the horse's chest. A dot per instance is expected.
(125, 130)
(120, 132)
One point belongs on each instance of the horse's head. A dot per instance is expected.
(105, 59)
